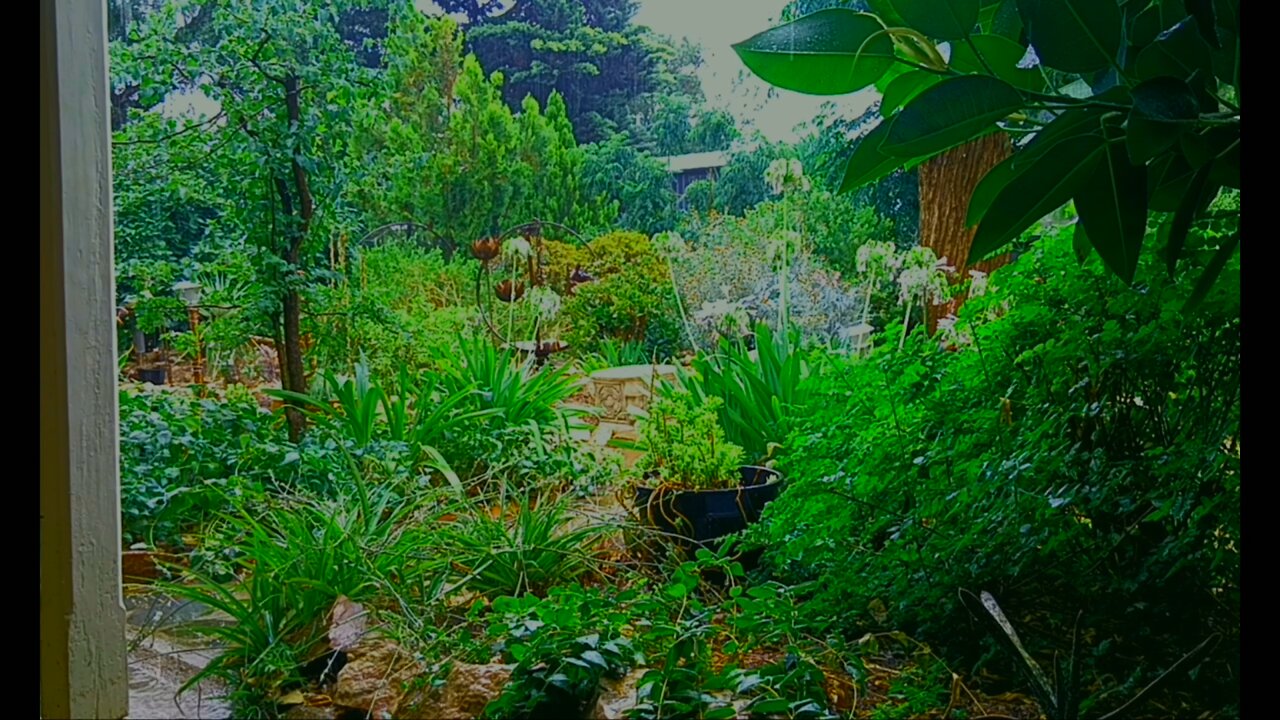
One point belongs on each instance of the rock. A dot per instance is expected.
(310, 712)
(374, 677)
(465, 693)
(617, 697)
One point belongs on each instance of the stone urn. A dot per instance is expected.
(615, 390)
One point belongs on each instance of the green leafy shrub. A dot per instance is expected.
(297, 556)
(1079, 452)
(180, 457)
(685, 445)
(629, 301)
(526, 554)
(761, 394)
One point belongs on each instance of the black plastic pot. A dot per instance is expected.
(701, 516)
(155, 376)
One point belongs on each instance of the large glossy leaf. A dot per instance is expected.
(941, 19)
(1074, 35)
(1165, 98)
(884, 10)
(1169, 177)
(1002, 55)
(1180, 223)
(1212, 271)
(1146, 139)
(1177, 52)
(868, 164)
(950, 113)
(1160, 108)
(830, 52)
(1206, 17)
(1112, 205)
(989, 187)
(1001, 18)
(1077, 121)
(1080, 242)
(1043, 187)
(905, 87)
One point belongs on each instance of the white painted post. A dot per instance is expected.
(82, 622)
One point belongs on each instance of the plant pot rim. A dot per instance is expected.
(774, 477)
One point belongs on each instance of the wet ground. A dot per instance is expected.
(161, 660)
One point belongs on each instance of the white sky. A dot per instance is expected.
(718, 24)
(715, 25)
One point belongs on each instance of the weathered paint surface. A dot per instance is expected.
(82, 631)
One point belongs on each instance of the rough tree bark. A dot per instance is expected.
(946, 183)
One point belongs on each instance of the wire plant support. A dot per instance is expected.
(509, 277)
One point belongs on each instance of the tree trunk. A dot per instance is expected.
(946, 183)
(292, 375)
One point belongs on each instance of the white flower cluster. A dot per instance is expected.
(784, 175)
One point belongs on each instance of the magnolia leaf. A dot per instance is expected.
(950, 113)
(830, 52)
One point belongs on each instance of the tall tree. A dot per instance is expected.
(605, 67)
(282, 79)
(946, 183)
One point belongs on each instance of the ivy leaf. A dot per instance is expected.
(1113, 208)
(942, 19)
(950, 113)
(830, 52)
(1075, 36)
(1042, 188)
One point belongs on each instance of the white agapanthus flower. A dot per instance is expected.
(979, 284)
(669, 243)
(517, 247)
(783, 175)
(546, 302)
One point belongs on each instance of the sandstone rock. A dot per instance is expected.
(465, 693)
(617, 696)
(374, 677)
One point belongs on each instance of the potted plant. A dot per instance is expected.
(696, 484)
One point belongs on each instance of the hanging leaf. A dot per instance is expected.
(1206, 19)
(1080, 242)
(1068, 124)
(1041, 188)
(1212, 271)
(1002, 55)
(989, 187)
(1177, 52)
(1161, 107)
(868, 164)
(905, 87)
(1169, 175)
(1180, 224)
(1165, 99)
(941, 19)
(1075, 36)
(830, 52)
(1113, 207)
(950, 113)
(1146, 139)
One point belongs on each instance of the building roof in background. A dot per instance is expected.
(695, 161)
